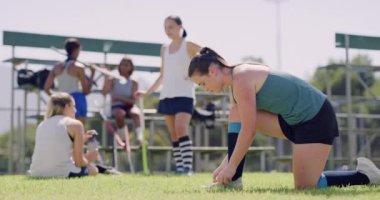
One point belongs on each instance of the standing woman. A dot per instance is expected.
(58, 150)
(71, 78)
(178, 92)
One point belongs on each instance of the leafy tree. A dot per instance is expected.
(334, 74)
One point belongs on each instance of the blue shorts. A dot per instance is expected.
(172, 106)
(83, 172)
(80, 104)
(323, 128)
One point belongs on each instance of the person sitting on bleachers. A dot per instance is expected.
(123, 100)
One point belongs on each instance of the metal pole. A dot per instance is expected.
(18, 141)
(23, 134)
(11, 131)
(328, 84)
(331, 162)
(351, 135)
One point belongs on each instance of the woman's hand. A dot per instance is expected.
(217, 171)
(140, 93)
(89, 134)
(226, 174)
(93, 68)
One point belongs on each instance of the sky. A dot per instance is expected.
(235, 29)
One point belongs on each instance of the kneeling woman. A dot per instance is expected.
(59, 142)
(279, 105)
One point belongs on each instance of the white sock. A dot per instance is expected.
(139, 134)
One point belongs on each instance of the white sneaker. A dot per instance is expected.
(140, 137)
(233, 185)
(367, 167)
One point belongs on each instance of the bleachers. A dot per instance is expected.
(105, 47)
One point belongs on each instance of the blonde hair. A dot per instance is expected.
(57, 104)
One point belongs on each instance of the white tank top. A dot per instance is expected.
(175, 82)
(66, 82)
(52, 151)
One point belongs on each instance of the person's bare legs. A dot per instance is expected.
(309, 161)
(119, 115)
(169, 119)
(135, 115)
(182, 121)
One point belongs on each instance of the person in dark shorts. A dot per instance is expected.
(282, 106)
(178, 93)
(123, 99)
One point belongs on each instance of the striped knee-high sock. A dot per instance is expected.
(233, 133)
(177, 157)
(186, 147)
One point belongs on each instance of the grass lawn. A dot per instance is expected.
(166, 187)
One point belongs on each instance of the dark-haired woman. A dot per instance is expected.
(282, 106)
(123, 99)
(71, 78)
(177, 93)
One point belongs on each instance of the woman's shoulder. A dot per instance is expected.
(250, 71)
(249, 67)
(74, 123)
(192, 48)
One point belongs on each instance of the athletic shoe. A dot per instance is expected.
(113, 171)
(233, 185)
(187, 172)
(367, 167)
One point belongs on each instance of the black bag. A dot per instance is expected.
(41, 77)
(26, 78)
(205, 116)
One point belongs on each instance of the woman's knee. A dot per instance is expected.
(135, 116)
(181, 129)
(92, 170)
(304, 183)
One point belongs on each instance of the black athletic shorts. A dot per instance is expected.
(172, 106)
(323, 128)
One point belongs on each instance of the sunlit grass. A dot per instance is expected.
(256, 186)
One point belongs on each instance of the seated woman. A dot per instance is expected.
(123, 100)
(58, 150)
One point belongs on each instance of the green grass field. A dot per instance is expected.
(167, 187)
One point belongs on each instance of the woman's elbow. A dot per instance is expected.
(86, 91)
(79, 162)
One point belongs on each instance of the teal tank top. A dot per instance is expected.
(292, 98)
